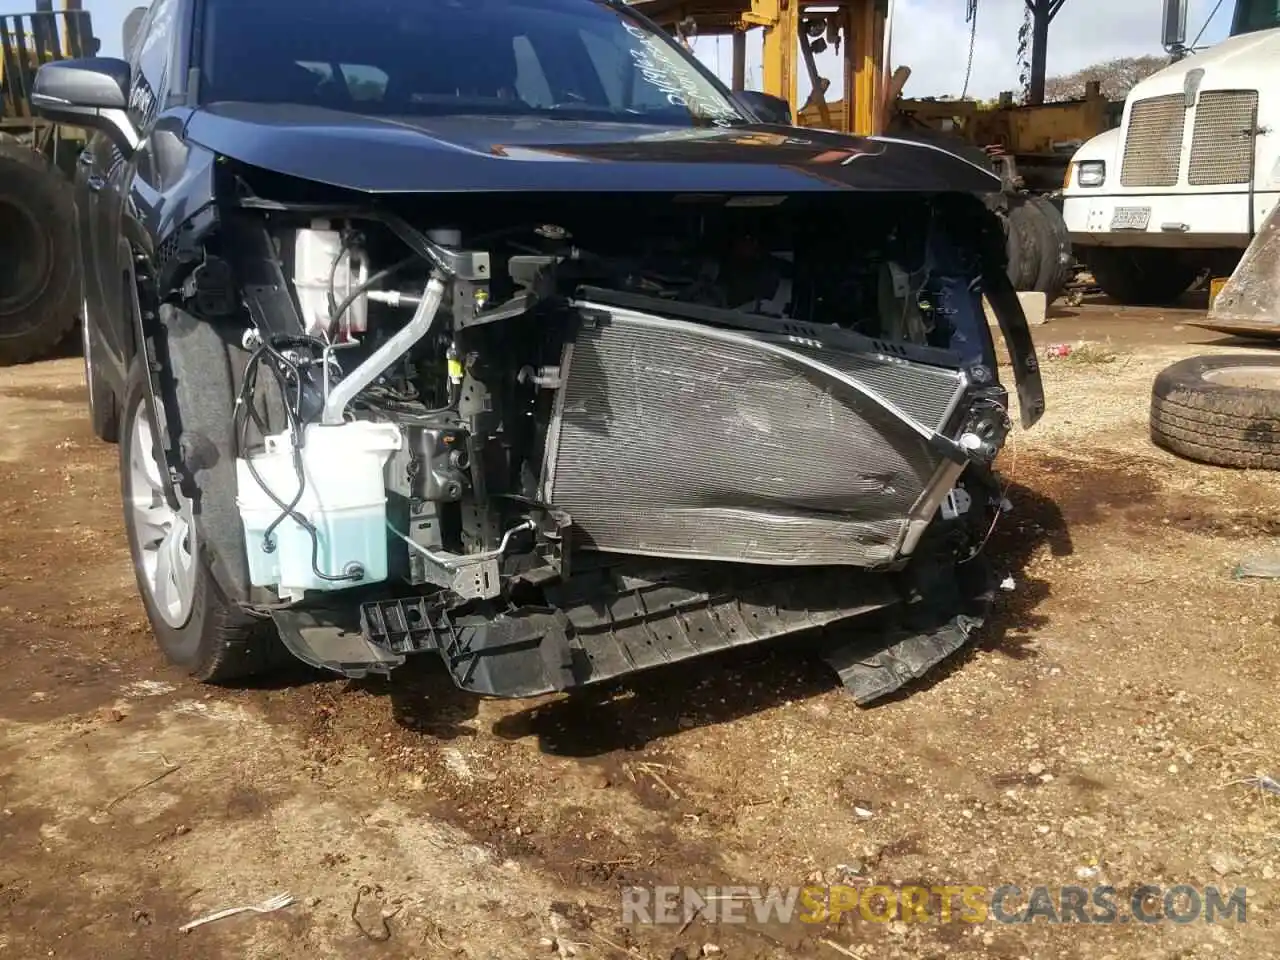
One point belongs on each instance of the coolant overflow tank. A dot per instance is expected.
(343, 497)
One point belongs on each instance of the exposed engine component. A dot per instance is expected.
(328, 267)
(503, 404)
(431, 470)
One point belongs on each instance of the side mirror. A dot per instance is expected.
(767, 107)
(1175, 24)
(132, 25)
(92, 92)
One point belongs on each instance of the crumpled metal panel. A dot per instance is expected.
(926, 393)
(674, 439)
(1249, 304)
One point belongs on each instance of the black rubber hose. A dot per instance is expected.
(376, 278)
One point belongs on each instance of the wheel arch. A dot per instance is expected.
(190, 392)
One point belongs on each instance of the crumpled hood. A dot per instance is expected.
(456, 153)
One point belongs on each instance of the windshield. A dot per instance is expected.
(1254, 15)
(574, 59)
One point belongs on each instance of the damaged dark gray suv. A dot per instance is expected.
(501, 329)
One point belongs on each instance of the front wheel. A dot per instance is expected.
(1140, 276)
(196, 626)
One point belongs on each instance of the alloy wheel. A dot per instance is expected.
(166, 537)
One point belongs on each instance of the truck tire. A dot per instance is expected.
(1055, 257)
(1141, 277)
(196, 625)
(1024, 229)
(1223, 410)
(1035, 237)
(39, 292)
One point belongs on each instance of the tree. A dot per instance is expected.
(1117, 77)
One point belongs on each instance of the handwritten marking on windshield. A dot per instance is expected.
(676, 80)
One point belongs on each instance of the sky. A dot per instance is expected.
(932, 38)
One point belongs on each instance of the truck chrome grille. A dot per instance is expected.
(1222, 144)
(674, 439)
(1153, 147)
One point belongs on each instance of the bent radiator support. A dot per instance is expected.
(633, 616)
(617, 620)
(678, 439)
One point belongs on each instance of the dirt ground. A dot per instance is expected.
(1097, 732)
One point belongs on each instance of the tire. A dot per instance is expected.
(1054, 249)
(1141, 277)
(39, 289)
(202, 630)
(1023, 223)
(1223, 410)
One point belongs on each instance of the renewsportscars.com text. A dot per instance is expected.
(973, 904)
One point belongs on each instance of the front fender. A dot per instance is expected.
(1022, 349)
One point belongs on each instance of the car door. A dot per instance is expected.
(102, 310)
(98, 200)
(116, 219)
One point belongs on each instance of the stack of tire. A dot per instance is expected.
(1038, 244)
(39, 295)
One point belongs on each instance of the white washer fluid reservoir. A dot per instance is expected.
(344, 498)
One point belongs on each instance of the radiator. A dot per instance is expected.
(1153, 145)
(675, 439)
(1222, 144)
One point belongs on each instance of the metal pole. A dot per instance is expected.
(1039, 51)
(1042, 14)
(739, 60)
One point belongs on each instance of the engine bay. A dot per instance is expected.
(407, 415)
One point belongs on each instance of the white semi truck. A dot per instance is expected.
(1193, 171)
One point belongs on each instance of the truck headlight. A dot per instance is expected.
(1091, 173)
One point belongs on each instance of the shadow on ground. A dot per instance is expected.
(723, 687)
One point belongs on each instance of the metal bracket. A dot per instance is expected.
(470, 576)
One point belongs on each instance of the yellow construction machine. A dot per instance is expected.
(39, 289)
(1030, 145)
(1040, 137)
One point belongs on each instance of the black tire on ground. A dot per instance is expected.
(1024, 226)
(1141, 277)
(1223, 410)
(39, 292)
(1055, 249)
(209, 635)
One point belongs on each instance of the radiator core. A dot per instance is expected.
(676, 439)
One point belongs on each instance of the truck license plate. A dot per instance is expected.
(1131, 218)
